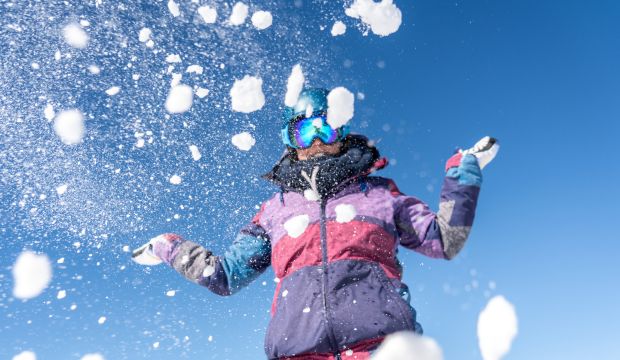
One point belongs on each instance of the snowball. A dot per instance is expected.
(32, 273)
(202, 92)
(408, 345)
(179, 99)
(247, 94)
(243, 141)
(208, 270)
(294, 86)
(173, 58)
(175, 179)
(208, 14)
(239, 13)
(69, 126)
(75, 36)
(497, 328)
(383, 18)
(171, 293)
(345, 213)
(144, 35)
(61, 294)
(338, 28)
(156, 345)
(101, 320)
(25, 355)
(49, 112)
(296, 226)
(73, 307)
(95, 356)
(173, 8)
(94, 69)
(196, 155)
(340, 107)
(197, 69)
(262, 20)
(113, 90)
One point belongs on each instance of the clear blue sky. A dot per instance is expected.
(542, 76)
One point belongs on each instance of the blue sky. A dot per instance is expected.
(541, 76)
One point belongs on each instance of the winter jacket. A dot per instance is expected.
(331, 235)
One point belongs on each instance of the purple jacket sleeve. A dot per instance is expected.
(442, 234)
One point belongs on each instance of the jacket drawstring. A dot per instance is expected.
(312, 180)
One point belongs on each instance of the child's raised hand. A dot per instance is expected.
(484, 150)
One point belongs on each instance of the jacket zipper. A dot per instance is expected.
(330, 332)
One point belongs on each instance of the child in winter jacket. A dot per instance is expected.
(331, 235)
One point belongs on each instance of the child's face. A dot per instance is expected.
(318, 148)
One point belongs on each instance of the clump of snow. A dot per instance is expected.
(32, 273)
(101, 320)
(306, 310)
(208, 14)
(196, 69)
(175, 180)
(345, 213)
(144, 35)
(73, 307)
(284, 293)
(25, 355)
(61, 260)
(156, 345)
(61, 294)
(62, 189)
(296, 226)
(247, 94)
(340, 107)
(243, 141)
(262, 20)
(497, 328)
(173, 58)
(406, 346)
(94, 356)
(171, 293)
(69, 126)
(208, 271)
(202, 92)
(75, 36)
(94, 69)
(339, 28)
(196, 155)
(49, 112)
(179, 99)
(113, 90)
(173, 8)
(383, 18)
(294, 86)
(239, 13)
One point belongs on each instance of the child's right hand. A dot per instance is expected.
(153, 252)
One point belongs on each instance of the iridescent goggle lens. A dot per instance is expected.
(301, 132)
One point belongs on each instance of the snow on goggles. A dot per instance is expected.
(300, 132)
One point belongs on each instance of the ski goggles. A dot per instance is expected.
(300, 132)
